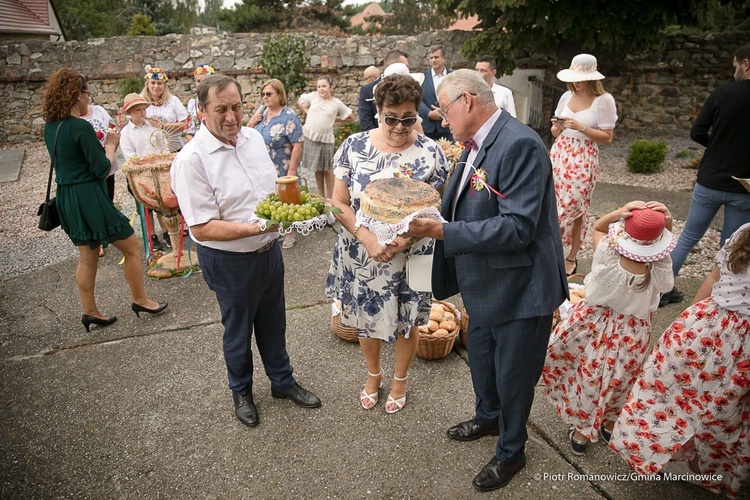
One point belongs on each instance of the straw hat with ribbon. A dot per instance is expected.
(582, 69)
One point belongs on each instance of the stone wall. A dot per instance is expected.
(662, 88)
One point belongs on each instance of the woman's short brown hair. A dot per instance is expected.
(398, 89)
(278, 87)
(63, 89)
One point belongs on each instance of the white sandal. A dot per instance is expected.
(394, 405)
(368, 401)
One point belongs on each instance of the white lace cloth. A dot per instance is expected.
(386, 232)
(303, 227)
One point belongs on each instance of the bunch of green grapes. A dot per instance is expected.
(272, 208)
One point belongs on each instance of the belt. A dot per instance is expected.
(265, 247)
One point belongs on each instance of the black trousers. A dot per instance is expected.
(250, 290)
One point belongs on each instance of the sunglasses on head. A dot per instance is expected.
(392, 121)
(267, 94)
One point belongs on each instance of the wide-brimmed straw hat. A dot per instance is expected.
(582, 69)
(133, 100)
(642, 237)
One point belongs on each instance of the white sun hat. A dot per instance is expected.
(582, 69)
(402, 69)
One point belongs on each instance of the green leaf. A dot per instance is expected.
(332, 210)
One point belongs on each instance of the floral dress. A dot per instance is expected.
(575, 162)
(594, 355)
(375, 296)
(280, 133)
(693, 396)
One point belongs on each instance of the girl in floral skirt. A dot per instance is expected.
(689, 413)
(595, 353)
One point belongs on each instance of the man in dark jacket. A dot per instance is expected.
(367, 109)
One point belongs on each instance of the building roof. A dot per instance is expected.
(373, 9)
(464, 24)
(25, 16)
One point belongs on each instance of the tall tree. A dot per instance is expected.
(408, 17)
(608, 27)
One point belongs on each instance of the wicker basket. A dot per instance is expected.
(463, 327)
(344, 332)
(432, 347)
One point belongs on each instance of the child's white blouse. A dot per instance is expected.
(608, 284)
(732, 291)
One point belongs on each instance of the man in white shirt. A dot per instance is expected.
(503, 95)
(431, 121)
(219, 177)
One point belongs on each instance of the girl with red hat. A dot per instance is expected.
(596, 351)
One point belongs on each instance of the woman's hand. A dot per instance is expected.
(375, 250)
(255, 119)
(398, 245)
(572, 124)
(112, 139)
(557, 126)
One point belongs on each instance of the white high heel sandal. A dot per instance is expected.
(393, 405)
(368, 401)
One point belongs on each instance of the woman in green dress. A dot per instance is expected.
(87, 214)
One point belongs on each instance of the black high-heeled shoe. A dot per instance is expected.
(137, 308)
(575, 267)
(93, 320)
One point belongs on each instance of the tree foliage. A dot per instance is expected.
(283, 15)
(283, 57)
(141, 25)
(407, 17)
(566, 27)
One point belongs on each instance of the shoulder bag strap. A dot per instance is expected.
(52, 162)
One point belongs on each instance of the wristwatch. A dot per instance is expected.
(583, 128)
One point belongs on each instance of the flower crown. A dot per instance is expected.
(155, 74)
(204, 69)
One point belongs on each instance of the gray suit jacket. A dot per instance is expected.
(504, 256)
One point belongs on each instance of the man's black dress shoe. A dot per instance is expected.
(300, 396)
(245, 409)
(469, 431)
(497, 474)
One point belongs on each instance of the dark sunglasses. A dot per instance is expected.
(267, 94)
(392, 121)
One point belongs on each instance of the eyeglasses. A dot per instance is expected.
(444, 109)
(392, 121)
(267, 94)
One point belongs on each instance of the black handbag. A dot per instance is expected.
(48, 216)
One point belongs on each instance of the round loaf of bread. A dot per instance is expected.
(392, 200)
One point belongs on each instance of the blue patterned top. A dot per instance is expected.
(280, 133)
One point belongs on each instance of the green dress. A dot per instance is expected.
(87, 214)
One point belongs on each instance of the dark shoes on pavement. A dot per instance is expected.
(299, 396)
(671, 297)
(469, 431)
(245, 409)
(497, 474)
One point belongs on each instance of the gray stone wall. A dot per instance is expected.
(660, 88)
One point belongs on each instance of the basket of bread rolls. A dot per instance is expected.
(436, 338)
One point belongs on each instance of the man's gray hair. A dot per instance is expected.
(466, 80)
(220, 82)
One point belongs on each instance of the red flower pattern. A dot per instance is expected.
(699, 399)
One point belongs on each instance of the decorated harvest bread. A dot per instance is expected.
(156, 161)
(392, 200)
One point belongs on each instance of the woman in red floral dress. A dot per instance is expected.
(595, 353)
(690, 410)
(585, 117)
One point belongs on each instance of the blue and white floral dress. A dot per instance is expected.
(281, 133)
(375, 296)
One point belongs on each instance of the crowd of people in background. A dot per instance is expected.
(683, 408)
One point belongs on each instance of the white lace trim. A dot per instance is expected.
(303, 227)
(386, 232)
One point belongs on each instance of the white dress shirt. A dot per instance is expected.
(437, 78)
(504, 98)
(479, 138)
(217, 181)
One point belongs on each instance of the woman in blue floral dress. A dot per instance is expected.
(282, 131)
(368, 278)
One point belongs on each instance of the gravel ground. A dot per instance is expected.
(24, 248)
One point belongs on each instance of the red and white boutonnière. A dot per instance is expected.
(479, 182)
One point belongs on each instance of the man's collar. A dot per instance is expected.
(442, 73)
(213, 144)
(484, 130)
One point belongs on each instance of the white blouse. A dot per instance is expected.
(602, 114)
(171, 111)
(732, 291)
(100, 120)
(321, 116)
(608, 284)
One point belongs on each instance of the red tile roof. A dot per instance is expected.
(25, 16)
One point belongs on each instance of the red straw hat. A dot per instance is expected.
(642, 237)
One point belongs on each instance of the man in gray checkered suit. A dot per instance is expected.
(501, 250)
